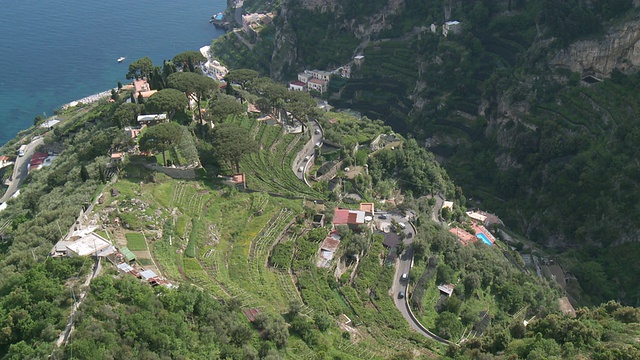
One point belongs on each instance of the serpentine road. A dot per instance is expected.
(20, 168)
(403, 266)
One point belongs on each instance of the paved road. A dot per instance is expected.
(435, 215)
(20, 168)
(403, 266)
(305, 156)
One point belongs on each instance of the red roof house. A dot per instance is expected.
(348, 217)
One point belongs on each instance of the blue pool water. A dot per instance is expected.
(484, 238)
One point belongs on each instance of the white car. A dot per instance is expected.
(301, 169)
(306, 158)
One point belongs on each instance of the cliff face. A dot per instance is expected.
(619, 49)
(284, 50)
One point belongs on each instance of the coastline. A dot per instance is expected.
(89, 99)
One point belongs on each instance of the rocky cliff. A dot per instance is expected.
(618, 49)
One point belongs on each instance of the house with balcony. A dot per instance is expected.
(317, 85)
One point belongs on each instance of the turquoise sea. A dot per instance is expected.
(53, 52)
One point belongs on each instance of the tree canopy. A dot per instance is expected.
(161, 137)
(188, 60)
(232, 142)
(194, 85)
(126, 114)
(223, 106)
(167, 100)
(241, 76)
(140, 68)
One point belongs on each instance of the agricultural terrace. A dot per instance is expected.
(270, 168)
(220, 240)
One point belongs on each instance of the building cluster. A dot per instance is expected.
(480, 220)
(349, 217)
(85, 242)
(212, 67)
(318, 80)
(252, 23)
(309, 80)
(142, 90)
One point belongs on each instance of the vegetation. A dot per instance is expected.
(523, 138)
(232, 250)
(161, 138)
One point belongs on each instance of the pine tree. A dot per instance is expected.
(84, 174)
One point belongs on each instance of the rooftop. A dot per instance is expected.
(141, 85)
(251, 313)
(476, 216)
(347, 216)
(367, 207)
(50, 123)
(391, 239)
(463, 236)
(152, 117)
(330, 244)
(318, 81)
(148, 274)
(446, 288)
(128, 254)
(89, 244)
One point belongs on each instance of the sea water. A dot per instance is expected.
(53, 52)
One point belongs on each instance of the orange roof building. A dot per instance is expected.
(463, 236)
(367, 207)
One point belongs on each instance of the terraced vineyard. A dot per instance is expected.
(270, 169)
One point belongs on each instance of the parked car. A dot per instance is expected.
(383, 216)
(404, 277)
(401, 294)
(301, 169)
(317, 131)
(306, 158)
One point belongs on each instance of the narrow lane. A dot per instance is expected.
(403, 266)
(305, 156)
(20, 168)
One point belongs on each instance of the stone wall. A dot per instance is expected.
(176, 173)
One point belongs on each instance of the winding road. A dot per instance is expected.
(403, 266)
(20, 170)
(305, 156)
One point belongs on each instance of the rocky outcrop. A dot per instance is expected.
(619, 49)
(284, 48)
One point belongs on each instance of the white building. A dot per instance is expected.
(317, 85)
(321, 75)
(304, 77)
(451, 26)
(297, 86)
(152, 118)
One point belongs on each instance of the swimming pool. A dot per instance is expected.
(484, 238)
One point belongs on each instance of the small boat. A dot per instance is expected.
(121, 59)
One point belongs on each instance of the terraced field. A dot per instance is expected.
(270, 168)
